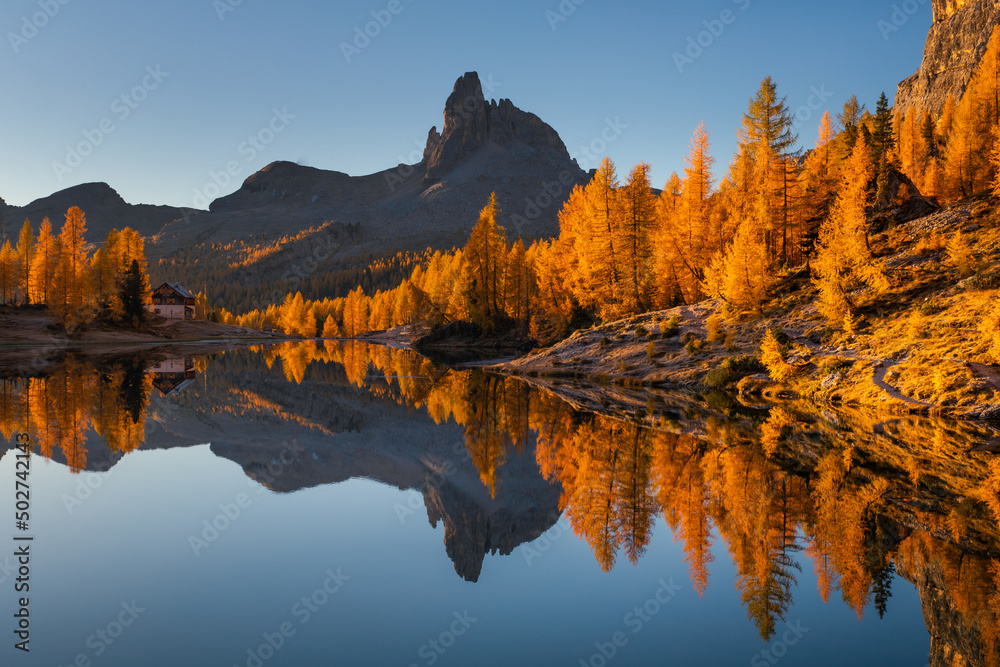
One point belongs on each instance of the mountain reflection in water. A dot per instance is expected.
(857, 497)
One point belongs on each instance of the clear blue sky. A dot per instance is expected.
(225, 76)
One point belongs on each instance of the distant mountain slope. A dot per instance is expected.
(336, 219)
(484, 147)
(105, 209)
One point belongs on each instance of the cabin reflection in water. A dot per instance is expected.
(173, 376)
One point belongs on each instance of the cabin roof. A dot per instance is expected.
(177, 287)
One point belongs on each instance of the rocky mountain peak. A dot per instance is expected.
(470, 122)
(955, 45)
(944, 9)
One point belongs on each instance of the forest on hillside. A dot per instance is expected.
(623, 250)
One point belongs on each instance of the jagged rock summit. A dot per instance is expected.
(470, 122)
(955, 44)
(483, 147)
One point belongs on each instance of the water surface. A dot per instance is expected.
(346, 504)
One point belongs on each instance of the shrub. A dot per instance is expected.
(651, 350)
(928, 308)
(850, 324)
(838, 366)
(641, 332)
(714, 327)
(960, 255)
(930, 244)
(990, 328)
(772, 354)
(604, 342)
(672, 328)
(733, 369)
(982, 281)
(693, 346)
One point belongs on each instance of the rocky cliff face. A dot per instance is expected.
(954, 588)
(482, 148)
(470, 122)
(955, 44)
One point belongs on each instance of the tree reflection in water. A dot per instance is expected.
(853, 495)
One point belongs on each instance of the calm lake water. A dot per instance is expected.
(342, 504)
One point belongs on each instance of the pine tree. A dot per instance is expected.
(850, 120)
(768, 126)
(134, 288)
(26, 262)
(882, 134)
(929, 136)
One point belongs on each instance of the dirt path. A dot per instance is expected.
(988, 373)
(878, 378)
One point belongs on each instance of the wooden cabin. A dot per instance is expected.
(173, 301)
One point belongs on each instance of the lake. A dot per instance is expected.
(348, 504)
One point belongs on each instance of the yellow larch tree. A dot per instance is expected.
(639, 217)
(8, 274)
(604, 217)
(47, 251)
(71, 289)
(844, 259)
(485, 263)
(26, 263)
